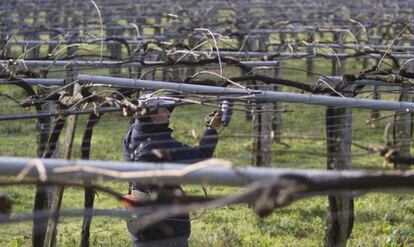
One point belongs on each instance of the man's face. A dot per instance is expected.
(161, 116)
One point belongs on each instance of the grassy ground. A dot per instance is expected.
(381, 219)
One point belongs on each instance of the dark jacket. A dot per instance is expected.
(142, 139)
(148, 142)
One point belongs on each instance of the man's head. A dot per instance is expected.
(160, 115)
(157, 108)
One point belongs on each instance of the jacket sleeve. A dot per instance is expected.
(208, 143)
(176, 152)
(149, 153)
(204, 150)
(127, 142)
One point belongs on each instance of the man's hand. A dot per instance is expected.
(127, 202)
(213, 120)
(135, 196)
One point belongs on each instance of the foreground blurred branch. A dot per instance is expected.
(213, 172)
(265, 194)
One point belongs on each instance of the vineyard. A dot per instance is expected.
(316, 150)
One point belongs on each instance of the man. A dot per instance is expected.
(149, 140)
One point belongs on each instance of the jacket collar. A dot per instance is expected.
(149, 129)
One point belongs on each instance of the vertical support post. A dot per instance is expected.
(263, 42)
(279, 69)
(365, 60)
(277, 120)
(115, 50)
(32, 52)
(338, 67)
(251, 45)
(340, 219)
(309, 50)
(341, 206)
(282, 37)
(402, 133)
(375, 114)
(57, 193)
(262, 140)
(262, 130)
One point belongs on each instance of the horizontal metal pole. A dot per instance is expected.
(259, 95)
(97, 41)
(36, 81)
(91, 40)
(351, 46)
(292, 55)
(58, 113)
(338, 79)
(95, 63)
(303, 29)
(362, 46)
(216, 172)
